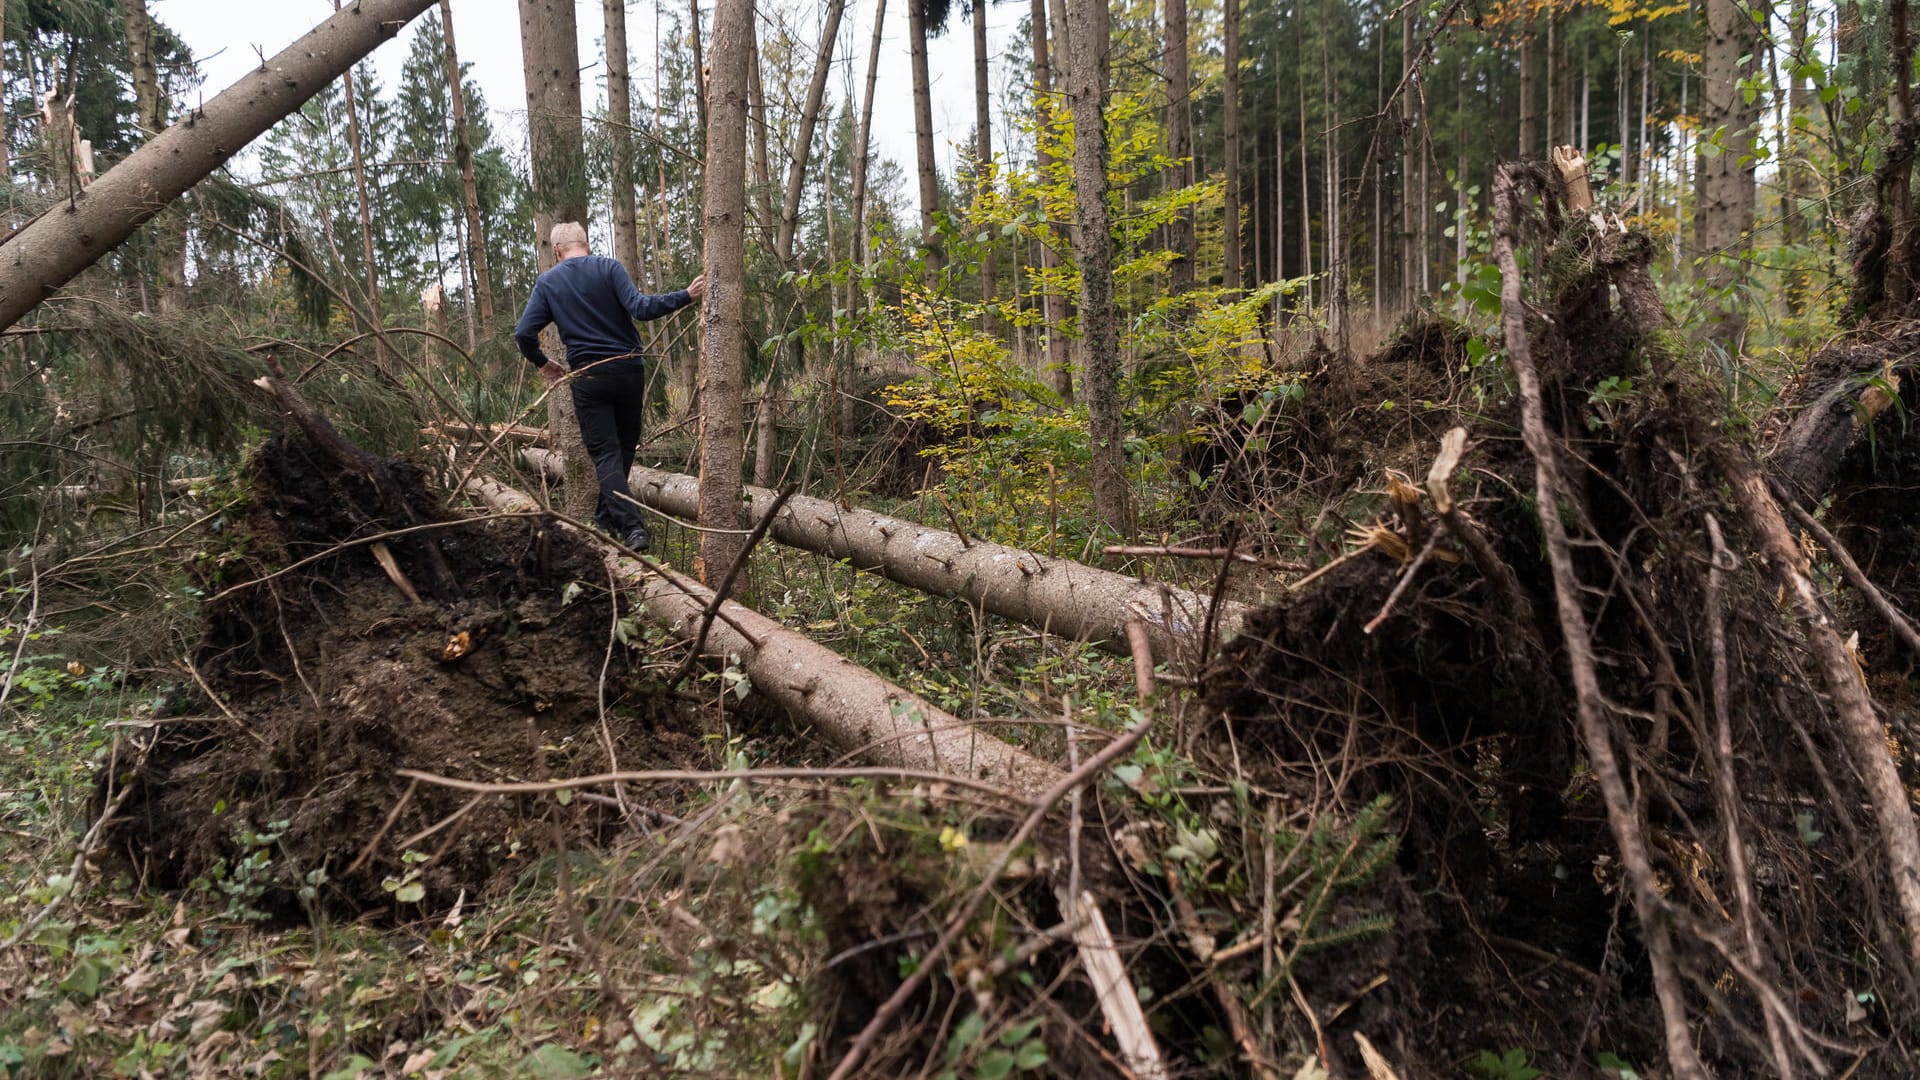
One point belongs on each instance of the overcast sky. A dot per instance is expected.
(228, 37)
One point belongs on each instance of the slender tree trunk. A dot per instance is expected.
(1409, 148)
(1059, 358)
(48, 252)
(1426, 219)
(1279, 200)
(1379, 173)
(862, 151)
(472, 317)
(366, 215)
(6, 126)
(721, 378)
(803, 141)
(761, 188)
(1100, 347)
(551, 56)
(626, 214)
(1061, 52)
(1800, 180)
(1554, 78)
(1585, 142)
(170, 229)
(923, 136)
(1335, 230)
(1179, 128)
(1529, 99)
(983, 143)
(1230, 270)
(1725, 202)
(1899, 187)
(469, 188)
(1306, 187)
(700, 76)
(1642, 160)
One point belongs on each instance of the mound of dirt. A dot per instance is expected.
(329, 678)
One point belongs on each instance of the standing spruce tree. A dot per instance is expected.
(1726, 195)
(626, 214)
(1099, 337)
(170, 228)
(722, 379)
(463, 142)
(551, 56)
(925, 19)
(1179, 137)
(1059, 355)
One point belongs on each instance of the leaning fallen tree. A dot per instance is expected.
(51, 249)
(861, 713)
(1061, 596)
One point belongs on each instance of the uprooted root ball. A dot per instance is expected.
(326, 678)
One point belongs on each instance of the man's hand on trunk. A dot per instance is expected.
(553, 372)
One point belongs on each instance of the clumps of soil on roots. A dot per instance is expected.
(1434, 663)
(1329, 425)
(323, 677)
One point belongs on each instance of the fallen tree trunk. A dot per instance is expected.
(1058, 595)
(863, 714)
(50, 250)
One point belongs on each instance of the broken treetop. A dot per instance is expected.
(593, 302)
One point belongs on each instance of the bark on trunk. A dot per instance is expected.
(469, 189)
(857, 710)
(721, 378)
(551, 54)
(626, 211)
(700, 76)
(1099, 339)
(762, 189)
(1230, 271)
(1067, 598)
(766, 438)
(862, 150)
(47, 253)
(1529, 101)
(1898, 170)
(843, 391)
(1726, 180)
(1059, 359)
(923, 136)
(983, 144)
(170, 229)
(1179, 138)
(1410, 209)
(365, 207)
(803, 140)
(6, 126)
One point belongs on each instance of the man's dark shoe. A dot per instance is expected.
(637, 538)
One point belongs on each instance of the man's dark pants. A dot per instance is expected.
(609, 400)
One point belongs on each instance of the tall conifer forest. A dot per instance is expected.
(1275, 539)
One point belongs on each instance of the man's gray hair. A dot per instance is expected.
(568, 234)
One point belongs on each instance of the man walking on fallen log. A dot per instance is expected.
(594, 303)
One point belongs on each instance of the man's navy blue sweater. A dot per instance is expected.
(593, 301)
